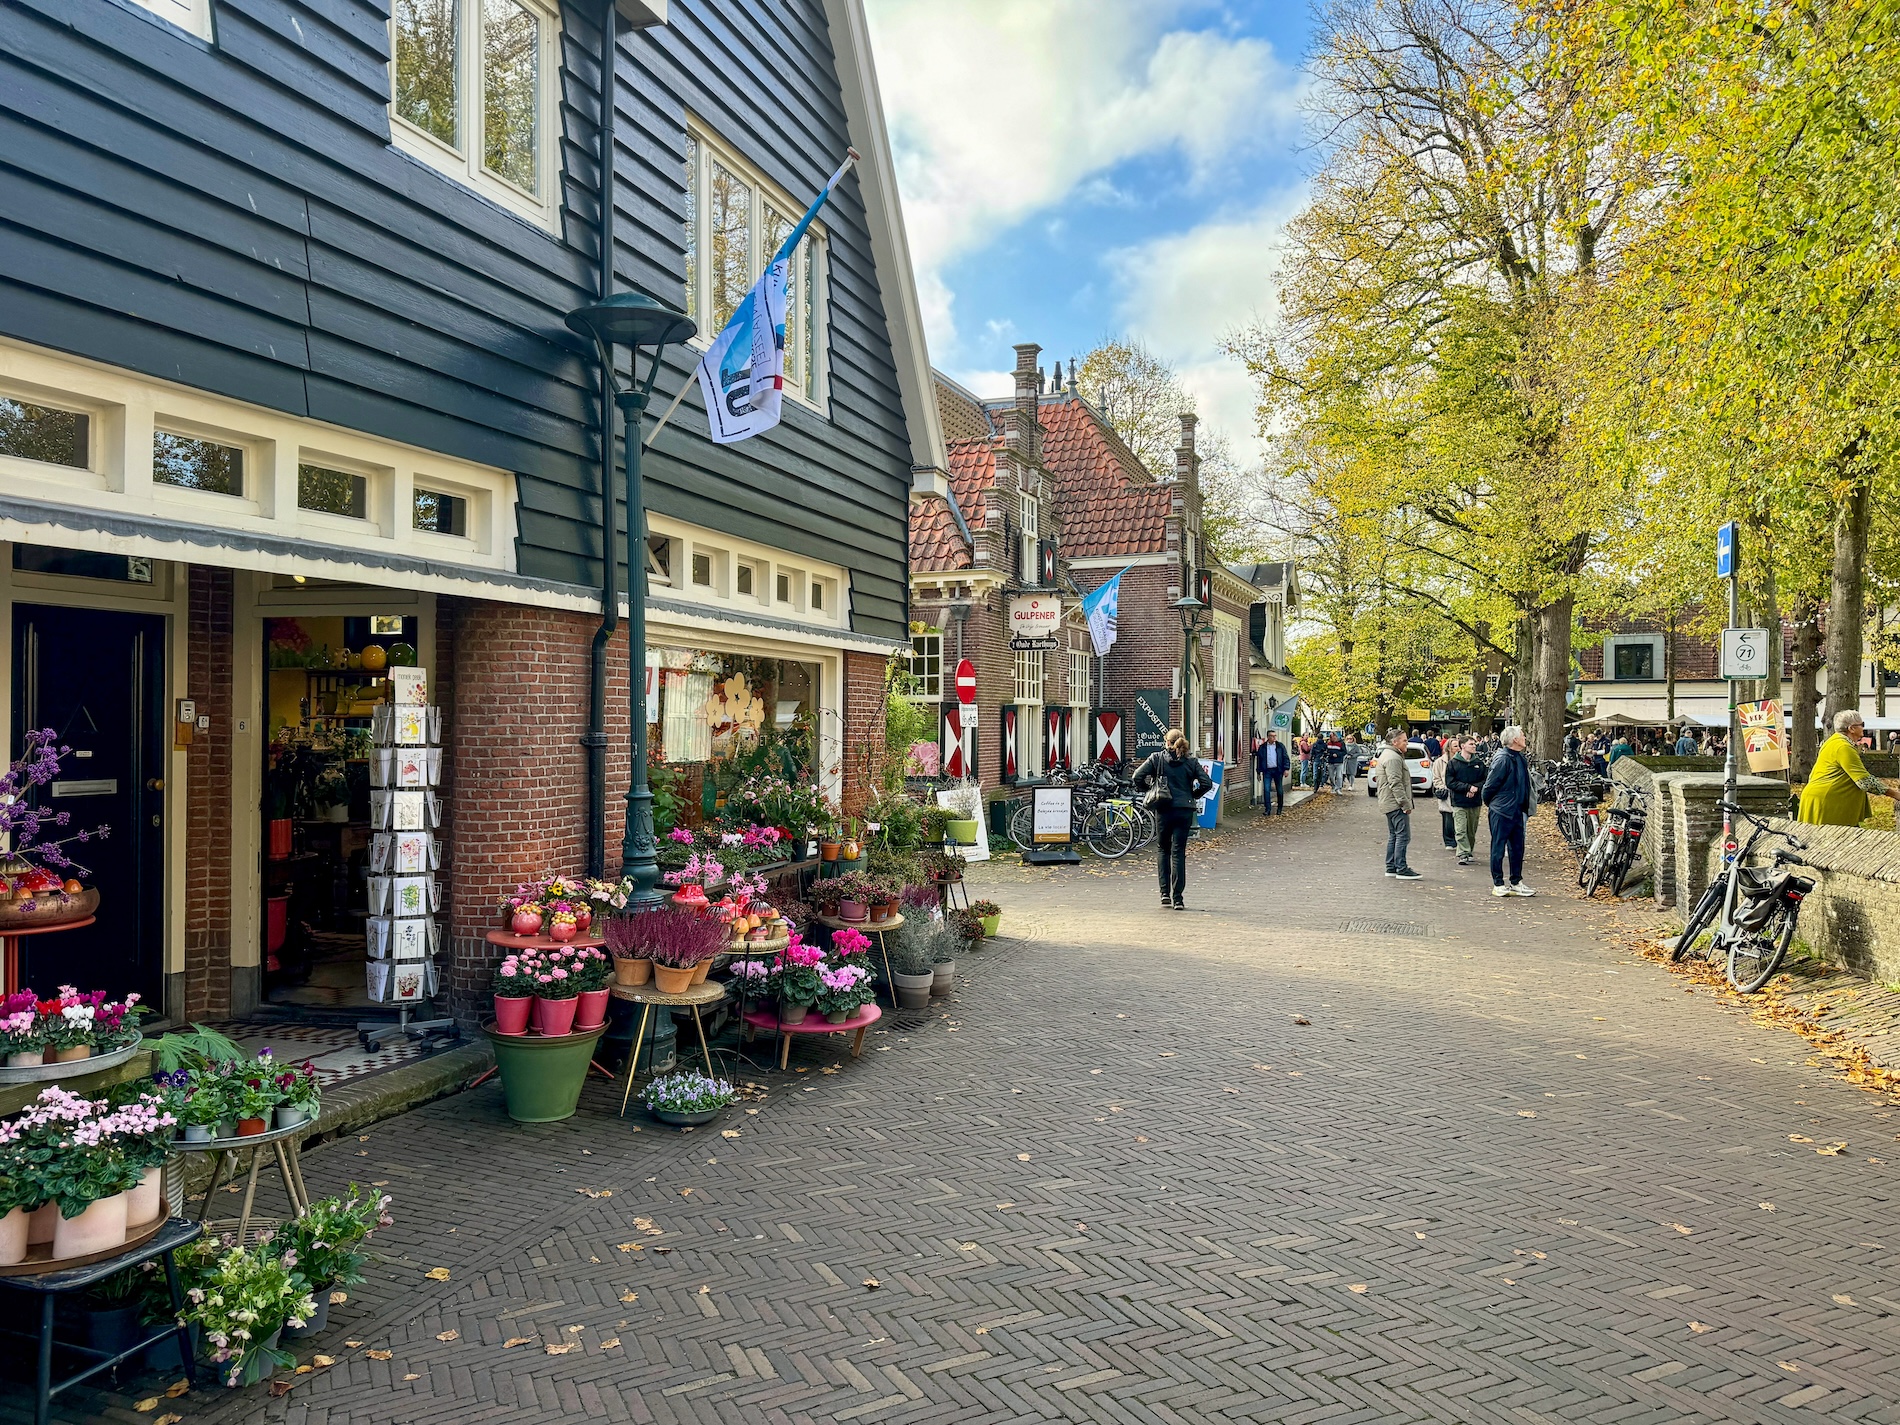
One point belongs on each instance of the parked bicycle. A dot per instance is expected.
(1754, 910)
(1612, 851)
(1103, 814)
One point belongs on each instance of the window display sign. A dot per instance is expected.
(1035, 622)
(1053, 816)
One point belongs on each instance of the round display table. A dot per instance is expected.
(647, 997)
(855, 1026)
(284, 1145)
(12, 935)
(880, 929)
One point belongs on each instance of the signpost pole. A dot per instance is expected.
(1728, 563)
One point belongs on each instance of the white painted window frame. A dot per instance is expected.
(927, 689)
(192, 16)
(765, 193)
(464, 165)
(1080, 679)
(1653, 641)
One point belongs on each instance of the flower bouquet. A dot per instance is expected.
(687, 1097)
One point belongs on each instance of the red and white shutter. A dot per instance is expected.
(951, 740)
(1107, 730)
(1006, 720)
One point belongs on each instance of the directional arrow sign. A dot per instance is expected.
(1745, 653)
(1725, 541)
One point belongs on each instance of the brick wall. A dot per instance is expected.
(209, 656)
(1685, 821)
(1148, 639)
(1853, 915)
(863, 724)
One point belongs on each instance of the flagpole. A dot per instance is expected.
(792, 239)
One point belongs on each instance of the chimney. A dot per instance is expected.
(1027, 432)
(1185, 459)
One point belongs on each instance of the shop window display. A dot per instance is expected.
(717, 719)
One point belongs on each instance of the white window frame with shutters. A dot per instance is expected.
(464, 160)
(1079, 679)
(768, 210)
(1029, 731)
(1029, 517)
(1226, 654)
(926, 666)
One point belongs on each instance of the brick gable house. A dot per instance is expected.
(1043, 495)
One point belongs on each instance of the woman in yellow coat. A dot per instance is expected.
(1836, 795)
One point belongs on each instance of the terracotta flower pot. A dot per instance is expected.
(147, 1200)
(72, 1053)
(853, 911)
(592, 1010)
(701, 970)
(828, 850)
(555, 1017)
(100, 1228)
(632, 972)
(13, 1237)
(526, 922)
(40, 1223)
(790, 1013)
(251, 1127)
(670, 981)
(26, 1059)
(511, 1013)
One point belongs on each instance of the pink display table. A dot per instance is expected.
(854, 1026)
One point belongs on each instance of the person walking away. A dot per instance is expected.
(1395, 800)
(1685, 744)
(1436, 769)
(1433, 747)
(1508, 796)
(1333, 758)
(1837, 790)
(1270, 757)
(1464, 784)
(1170, 783)
(1620, 748)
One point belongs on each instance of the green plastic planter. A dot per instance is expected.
(542, 1076)
(989, 924)
(963, 833)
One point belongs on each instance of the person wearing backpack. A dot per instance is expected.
(1170, 784)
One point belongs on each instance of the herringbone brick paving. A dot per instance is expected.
(1508, 1172)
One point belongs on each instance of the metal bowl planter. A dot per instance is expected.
(72, 1068)
(48, 910)
(542, 1075)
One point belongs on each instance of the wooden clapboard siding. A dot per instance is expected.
(232, 216)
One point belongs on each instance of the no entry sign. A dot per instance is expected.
(966, 682)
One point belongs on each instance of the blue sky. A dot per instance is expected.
(1073, 169)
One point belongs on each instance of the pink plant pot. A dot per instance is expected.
(146, 1202)
(853, 911)
(592, 1011)
(583, 919)
(554, 1017)
(13, 1237)
(100, 1228)
(511, 1013)
(563, 930)
(41, 1222)
(526, 922)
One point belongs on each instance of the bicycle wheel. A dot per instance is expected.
(1022, 826)
(1624, 862)
(1591, 872)
(1145, 825)
(1754, 957)
(1110, 832)
(1700, 919)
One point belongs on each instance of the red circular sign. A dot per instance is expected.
(966, 681)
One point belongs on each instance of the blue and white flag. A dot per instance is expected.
(1101, 607)
(742, 375)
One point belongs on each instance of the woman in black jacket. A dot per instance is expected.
(1184, 781)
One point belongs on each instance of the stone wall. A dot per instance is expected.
(1852, 918)
(1685, 820)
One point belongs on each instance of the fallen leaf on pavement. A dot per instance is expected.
(1022, 1157)
(1843, 1299)
(379, 1355)
(437, 1274)
(1685, 1231)
(1699, 1327)
(1833, 1150)
(412, 1376)
(176, 1389)
(1766, 1206)
(514, 1341)
(662, 1251)
(589, 1192)
(1799, 1138)
(686, 1192)
(447, 1335)
(352, 1344)
(1789, 1365)
(629, 1296)
(610, 1343)
(1167, 1054)
(705, 1291)
(337, 1298)
(1301, 1019)
(873, 1283)
(631, 1247)
(573, 1330)
(728, 1133)
(323, 1360)
(1526, 1113)
(168, 1420)
(149, 1403)
(560, 1350)
(1359, 1287)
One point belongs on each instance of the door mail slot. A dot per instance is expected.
(97, 787)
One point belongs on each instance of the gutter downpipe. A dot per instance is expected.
(595, 738)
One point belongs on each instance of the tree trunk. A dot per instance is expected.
(1847, 600)
(1802, 743)
(1880, 667)
(1524, 669)
(1553, 676)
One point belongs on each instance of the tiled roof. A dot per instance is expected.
(936, 543)
(960, 412)
(1110, 503)
(972, 471)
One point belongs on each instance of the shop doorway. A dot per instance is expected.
(98, 680)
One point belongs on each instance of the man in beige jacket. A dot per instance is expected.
(1395, 800)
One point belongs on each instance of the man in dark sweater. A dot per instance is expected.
(1464, 787)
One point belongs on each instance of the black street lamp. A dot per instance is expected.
(1189, 608)
(634, 320)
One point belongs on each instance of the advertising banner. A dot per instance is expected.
(1764, 737)
(1151, 721)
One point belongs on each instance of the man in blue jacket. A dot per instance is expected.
(1270, 757)
(1507, 793)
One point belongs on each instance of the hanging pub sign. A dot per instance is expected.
(1035, 623)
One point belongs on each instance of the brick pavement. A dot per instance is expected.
(1508, 1172)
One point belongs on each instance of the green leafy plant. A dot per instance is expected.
(195, 1048)
(240, 1298)
(322, 1246)
(920, 945)
(984, 909)
(253, 1094)
(668, 802)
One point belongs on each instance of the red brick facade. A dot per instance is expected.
(210, 656)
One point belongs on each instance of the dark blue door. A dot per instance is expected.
(98, 680)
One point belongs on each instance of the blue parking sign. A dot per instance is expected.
(1725, 540)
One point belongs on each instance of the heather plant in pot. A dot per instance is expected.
(630, 963)
(678, 941)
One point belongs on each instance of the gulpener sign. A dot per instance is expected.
(1035, 623)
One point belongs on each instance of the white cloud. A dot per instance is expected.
(1182, 292)
(999, 109)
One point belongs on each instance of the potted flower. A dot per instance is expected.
(115, 1023)
(687, 1098)
(142, 1127)
(754, 979)
(556, 990)
(66, 1025)
(254, 1097)
(677, 941)
(563, 922)
(300, 1095)
(798, 982)
(845, 896)
(65, 1154)
(594, 972)
(988, 914)
(933, 825)
(883, 900)
(22, 1038)
(844, 990)
(847, 942)
(241, 1300)
(631, 966)
(202, 1107)
(913, 959)
(323, 1248)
